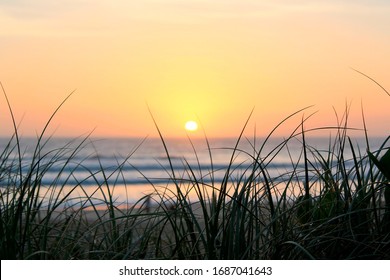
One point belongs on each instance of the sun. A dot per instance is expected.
(191, 126)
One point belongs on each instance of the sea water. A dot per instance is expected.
(127, 169)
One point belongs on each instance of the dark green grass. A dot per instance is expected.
(328, 204)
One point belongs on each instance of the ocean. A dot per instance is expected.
(129, 168)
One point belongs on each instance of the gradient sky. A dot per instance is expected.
(211, 61)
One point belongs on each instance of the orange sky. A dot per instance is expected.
(211, 61)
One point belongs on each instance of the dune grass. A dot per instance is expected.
(326, 205)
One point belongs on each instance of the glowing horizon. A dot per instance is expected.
(193, 60)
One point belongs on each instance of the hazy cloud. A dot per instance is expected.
(35, 9)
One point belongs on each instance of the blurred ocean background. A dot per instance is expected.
(129, 168)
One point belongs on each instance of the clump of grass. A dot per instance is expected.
(331, 203)
(326, 206)
(40, 221)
